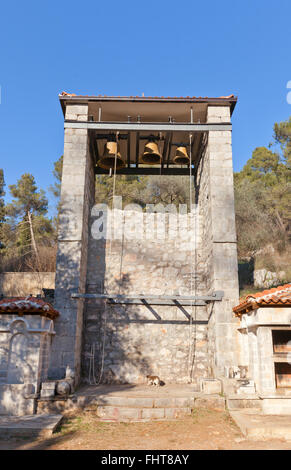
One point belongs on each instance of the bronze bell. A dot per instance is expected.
(181, 157)
(151, 154)
(107, 161)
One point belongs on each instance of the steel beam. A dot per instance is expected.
(153, 299)
(150, 127)
(146, 171)
(148, 302)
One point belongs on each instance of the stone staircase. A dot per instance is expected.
(135, 403)
(247, 402)
(32, 426)
(238, 396)
(126, 408)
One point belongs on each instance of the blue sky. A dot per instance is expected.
(177, 48)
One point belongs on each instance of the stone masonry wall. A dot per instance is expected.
(146, 339)
(20, 284)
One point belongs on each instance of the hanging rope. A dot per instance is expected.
(159, 147)
(115, 161)
(114, 186)
(92, 378)
(191, 269)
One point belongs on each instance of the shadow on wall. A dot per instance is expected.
(110, 355)
(70, 278)
(123, 343)
(246, 273)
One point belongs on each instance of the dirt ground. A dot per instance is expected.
(204, 430)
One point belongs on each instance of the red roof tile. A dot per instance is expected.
(275, 297)
(27, 305)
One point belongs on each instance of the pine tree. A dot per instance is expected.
(263, 194)
(2, 208)
(28, 205)
(55, 189)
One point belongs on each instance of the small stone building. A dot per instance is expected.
(132, 306)
(265, 330)
(26, 329)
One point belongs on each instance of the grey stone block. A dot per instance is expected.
(48, 385)
(29, 426)
(117, 414)
(211, 401)
(142, 402)
(47, 393)
(210, 386)
(174, 413)
(153, 413)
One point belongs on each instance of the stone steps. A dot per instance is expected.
(141, 409)
(257, 426)
(29, 426)
(126, 407)
(137, 402)
(239, 402)
(137, 414)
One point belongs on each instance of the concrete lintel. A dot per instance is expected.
(124, 126)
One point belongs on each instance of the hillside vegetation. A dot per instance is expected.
(263, 206)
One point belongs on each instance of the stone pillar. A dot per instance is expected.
(267, 383)
(216, 201)
(77, 198)
(254, 360)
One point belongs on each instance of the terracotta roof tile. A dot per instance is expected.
(67, 94)
(27, 305)
(277, 296)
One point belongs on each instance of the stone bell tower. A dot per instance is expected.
(132, 308)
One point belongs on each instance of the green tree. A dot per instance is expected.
(144, 189)
(255, 226)
(282, 136)
(130, 187)
(55, 189)
(57, 172)
(27, 210)
(263, 194)
(167, 190)
(264, 165)
(2, 208)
